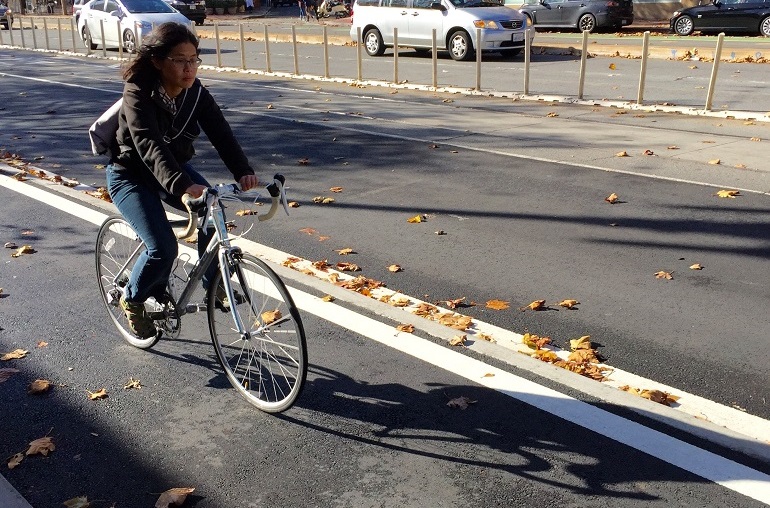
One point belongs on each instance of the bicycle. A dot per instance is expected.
(256, 329)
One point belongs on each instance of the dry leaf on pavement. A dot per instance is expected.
(347, 267)
(535, 341)
(15, 460)
(271, 316)
(405, 328)
(327, 298)
(715, 161)
(24, 249)
(460, 403)
(309, 231)
(663, 275)
(394, 268)
(42, 343)
(98, 394)
(458, 340)
(293, 204)
(497, 304)
(536, 305)
(77, 502)
(345, 251)
(658, 396)
(622, 154)
(336, 189)
(583, 342)
(38, 386)
(304, 161)
(552, 114)
(612, 198)
(41, 446)
(133, 383)
(14, 355)
(568, 303)
(416, 219)
(728, 193)
(175, 496)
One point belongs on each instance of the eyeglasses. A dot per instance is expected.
(182, 62)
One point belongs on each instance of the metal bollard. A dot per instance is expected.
(395, 55)
(243, 46)
(359, 44)
(643, 70)
(58, 31)
(21, 31)
(434, 59)
(45, 32)
(294, 48)
(714, 71)
(120, 43)
(73, 29)
(10, 32)
(34, 35)
(478, 59)
(527, 59)
(583, 58)
(216, 36)
(104, 43)
(326, 51)
(267, 52)
(2, 39)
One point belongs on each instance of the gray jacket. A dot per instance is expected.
(156, 143)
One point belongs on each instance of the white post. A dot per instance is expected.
(243, 46)
(478, 59)
(10, 32)
(21, 31)
(358, 54)
(267, 51)
(294, 48)
(326, 52)
(714, 71)
(58, 28)
(104, 45)
(395, 55)
(434, 59)
(45, 32)
(216, 36)
(120, 40)
(73, 31)
(527, 59)
(643, 70)
(583, 59)
(34, 35)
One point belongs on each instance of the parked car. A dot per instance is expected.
(77, 5)
(502, 29)
(137, 18)
(6, 17)
(584, 15)
(724, 16)
(193, 9)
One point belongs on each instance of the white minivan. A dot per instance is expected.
(502, 28)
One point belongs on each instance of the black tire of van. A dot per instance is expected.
(463, 40)
(373, 38)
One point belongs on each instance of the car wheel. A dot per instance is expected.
(373, 42)
(764, 27)
(129, 42)
(683, 25)
(587, 23)
(460, 47)
(87, 38)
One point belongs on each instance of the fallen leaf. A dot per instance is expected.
(658, 396)
(756, 139)
(293, 204)
(14, 355)
(133, 383)
(15, 460)
(327, 298)
(309, 231)
(241, 213)
(741, 166)
(77, 502)
(440, 232)
(5, 374)
(458, 340)
(612, 198)
(648, 152)
(622, 154)
(270, 106)
(693, 67)
(271, 316)
(583, 342)
(405, 328)
(336, 189)
(432, 146)
(326, 201)
(460, 403)
(10, 245)
(38, 386)
(322, 238)
(663, 275)
(536, 305)
(568, 303)
(535, 341)
(715, 161)
(416, 219)
(42, 446)
(673, 147)
(304, 161)
(24, 249)
(345, 251)
(728, 193)
(454, 303)
(175, 496)
(98, 394)
(497, 304)
(100, 193)
(552, 114)
(488, 374)
(394, 268)
(42, 343)
(486, 337)
(612, 66)
(696, 266)
(347, 267)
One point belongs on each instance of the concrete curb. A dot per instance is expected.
(10, 497)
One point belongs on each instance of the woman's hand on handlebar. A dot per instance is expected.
(248, 182)
(195, 190)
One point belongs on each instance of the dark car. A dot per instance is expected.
(6, 16)
(195, 10)
(588, 15)
(724, 16)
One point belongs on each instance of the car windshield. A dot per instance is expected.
(476, 3)
(138, 6)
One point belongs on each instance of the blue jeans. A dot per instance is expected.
(142, 206)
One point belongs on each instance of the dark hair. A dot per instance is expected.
(158, 44)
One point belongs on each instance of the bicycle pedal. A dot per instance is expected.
(195, 307)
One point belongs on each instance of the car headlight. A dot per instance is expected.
(480, 23)
(676, 13)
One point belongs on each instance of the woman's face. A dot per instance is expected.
(178, 69)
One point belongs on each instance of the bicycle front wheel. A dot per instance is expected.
(117, 248)
(266, 361)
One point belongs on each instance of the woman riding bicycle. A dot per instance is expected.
(164, 109)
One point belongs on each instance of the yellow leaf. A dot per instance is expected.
(622, 154)
(534, 341)
(15, 460)
(348, 267)
(536, 305)
(321, 266)
(568, 303)
(327, 298)
(545, 355)
(345, 251)
(460, 403)
(38, 386)
(24, 249)
(42, 343)
(612, 198)
(270, 106)
(326, 201)
(583, 342)
(293, 204)
(696, 266)
(14, 355)
(488, 374)
(399, 302)
(416, 219)
(741, 166)
(486, 337)
(497, 304)
(552, 114)
(458, 340)
(405, 328)
(42, 446)
(336, 189)
(715, 161)
(394, 268)
(612, 66)
(175, 496)
(132, 383)
(728, 193)
(241, 213)
(271, 316)
(663, 275)
(756, 139)
(98, 394)
(77, 502)
(100, 193)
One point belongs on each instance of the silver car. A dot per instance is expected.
(124, 21)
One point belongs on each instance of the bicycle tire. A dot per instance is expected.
(117, 244)
(272, 372)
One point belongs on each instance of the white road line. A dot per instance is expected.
(729, 474)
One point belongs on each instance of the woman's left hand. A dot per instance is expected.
(248, 182)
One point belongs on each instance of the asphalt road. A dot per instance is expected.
(522, 202)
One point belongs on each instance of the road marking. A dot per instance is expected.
(727, 473)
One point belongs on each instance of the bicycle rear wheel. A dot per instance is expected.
(117, 248)
(267, 364)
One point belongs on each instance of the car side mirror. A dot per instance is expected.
(541, 2)
(438, 6)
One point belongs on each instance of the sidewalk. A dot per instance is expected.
(9, 497)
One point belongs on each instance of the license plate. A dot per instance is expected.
(518, 37)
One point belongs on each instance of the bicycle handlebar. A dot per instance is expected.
(275, 189)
